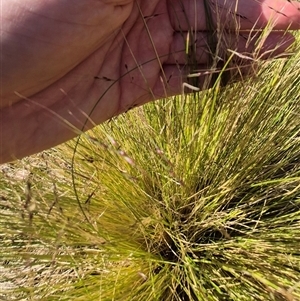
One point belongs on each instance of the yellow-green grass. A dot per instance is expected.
(190, 198)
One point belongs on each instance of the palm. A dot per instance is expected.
(130, 72)
(125, 71)
(137, 66)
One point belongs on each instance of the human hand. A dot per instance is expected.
(72, 64)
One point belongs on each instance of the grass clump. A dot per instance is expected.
(190, 198)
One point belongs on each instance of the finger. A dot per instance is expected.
(242, 14)
(179, 82)
(201, 53)
(279, 14)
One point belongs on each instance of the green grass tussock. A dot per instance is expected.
(189, 198)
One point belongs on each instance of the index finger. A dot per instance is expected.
(242, 14)
(280, 14)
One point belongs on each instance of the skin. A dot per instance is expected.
(69, 65)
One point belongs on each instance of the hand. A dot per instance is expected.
(65, 62)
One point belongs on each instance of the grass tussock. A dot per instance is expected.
(193, 198)
(190, 198)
